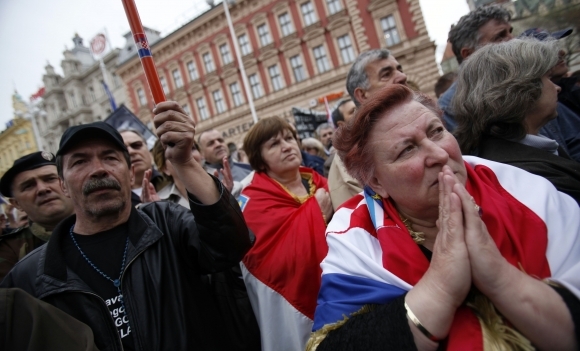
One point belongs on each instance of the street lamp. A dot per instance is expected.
(238, 56)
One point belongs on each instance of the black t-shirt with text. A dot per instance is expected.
(105, 250)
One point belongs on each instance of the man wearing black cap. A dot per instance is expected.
(134, 275)
(32, 186)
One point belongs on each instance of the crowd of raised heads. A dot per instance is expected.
(403, 222)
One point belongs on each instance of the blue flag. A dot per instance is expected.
(111, 98)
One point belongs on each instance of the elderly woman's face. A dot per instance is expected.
(411, 146)
(545, 108)
(281, 153)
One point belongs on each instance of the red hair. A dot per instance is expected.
(352, 140)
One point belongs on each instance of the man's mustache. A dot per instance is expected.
(103, 183)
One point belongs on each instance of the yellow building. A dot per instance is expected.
(17, 139)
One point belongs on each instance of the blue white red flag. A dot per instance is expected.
(110, 96)
(372, 259)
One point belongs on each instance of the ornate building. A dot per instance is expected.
(294, 53)
(18, 138)
(78, 96)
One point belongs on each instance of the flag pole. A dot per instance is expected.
(144, 51)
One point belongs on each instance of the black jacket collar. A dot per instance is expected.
(142, 233)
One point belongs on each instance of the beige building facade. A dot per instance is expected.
(18, 138)
(78, 96)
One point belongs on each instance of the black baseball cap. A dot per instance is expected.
(75, 134)
(25, 163)
(542, 34)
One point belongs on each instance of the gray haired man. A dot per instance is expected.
(371, 71)
(490, 24)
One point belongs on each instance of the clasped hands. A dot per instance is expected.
(464, 253)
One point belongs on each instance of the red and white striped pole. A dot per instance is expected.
(144, 51)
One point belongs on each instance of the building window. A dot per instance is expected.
(333, 6)
(285, 24)
(346, 50)
(308, 13)
(321, 59)
(297, 68)
(177, 78)
(92, 94)
(390, 30)
(245, 46)
(193, 75)
(202, 108)
(116, 81)
(141, 97)
(73, 101)
(164, 85)
(275, 77)
(225, 52)
(264, 34)
(255, 85)
(218, 100)
(208, 62)
(236, 94)
(186, 109)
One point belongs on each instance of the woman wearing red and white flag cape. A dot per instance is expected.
(287, 207)
(443, 251)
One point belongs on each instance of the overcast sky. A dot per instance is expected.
(33, 32)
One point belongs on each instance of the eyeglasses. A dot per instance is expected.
(136, 145)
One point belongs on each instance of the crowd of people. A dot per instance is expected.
(405, 223)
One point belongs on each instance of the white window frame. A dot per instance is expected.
(286, 27)
(225, 53)
(218, 99)
(177, 79)
(346, 49)
(308, 13)
(208, 63)
(256, 86)
(390, 31)
(245, 45)
(202, 108)
(264, 34)
(164, 85)
(192, 70)
(92, 94)
(333, 6)
(141, 96)
(236, 94)
(72, 98)
(321, 58)
(298, 68)
(275, 77)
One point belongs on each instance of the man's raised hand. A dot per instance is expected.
(175, 130)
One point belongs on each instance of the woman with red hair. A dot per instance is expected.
(443, 251)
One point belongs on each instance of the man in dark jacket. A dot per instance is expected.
(134, 275)
(32, 186)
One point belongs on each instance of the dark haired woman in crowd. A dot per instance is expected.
(287, 207)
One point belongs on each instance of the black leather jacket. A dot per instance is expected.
(167, 305)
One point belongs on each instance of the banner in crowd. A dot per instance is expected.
(307, 121)
(123, 118)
